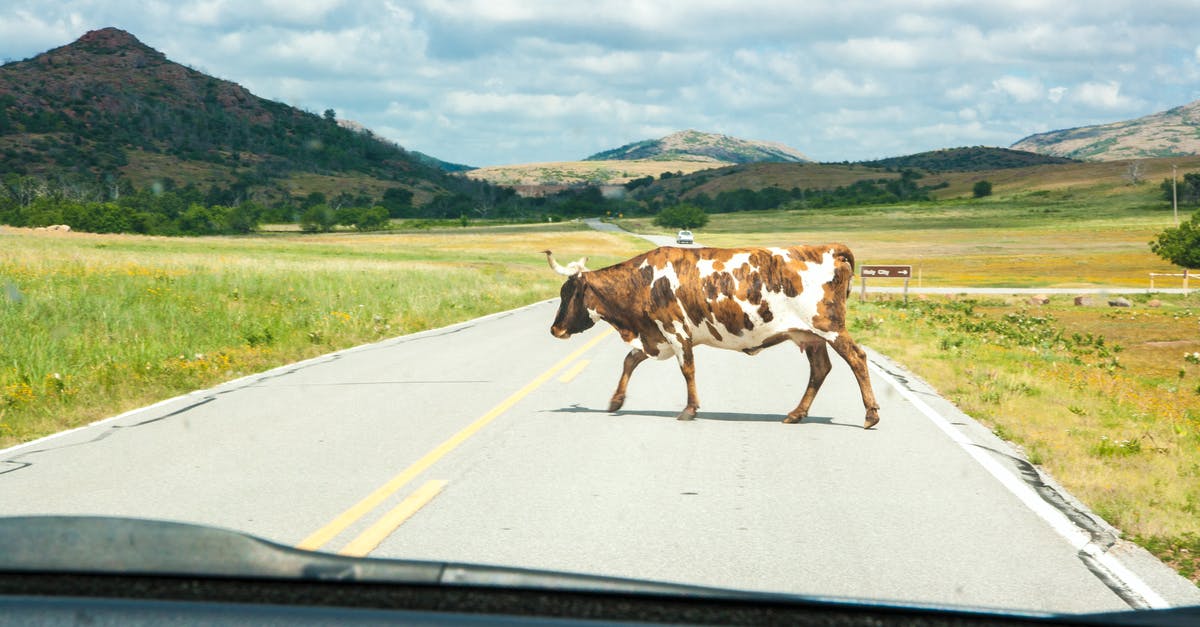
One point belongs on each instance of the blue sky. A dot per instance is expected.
(490, 82)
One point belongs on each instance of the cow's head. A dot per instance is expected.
(573, 315)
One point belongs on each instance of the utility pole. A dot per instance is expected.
(1174, 197)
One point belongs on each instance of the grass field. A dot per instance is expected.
(1103, 398)
(96, 324)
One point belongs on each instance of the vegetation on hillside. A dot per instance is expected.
(107, 114)
(967, 159)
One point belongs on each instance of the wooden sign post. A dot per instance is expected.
(883, 272)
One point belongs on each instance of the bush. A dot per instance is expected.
(682, 216)
(318, 218)
(982, 188)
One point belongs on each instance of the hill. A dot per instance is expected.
(967, 159)
(1171, 133)
(776, 184)
(694, 145)
(108, 106)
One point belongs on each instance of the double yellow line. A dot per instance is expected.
(368, 540)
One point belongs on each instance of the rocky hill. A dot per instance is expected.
(1175, 132)
(107, 105)
(694, 145)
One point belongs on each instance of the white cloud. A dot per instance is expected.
(961, 92)
(836, 83)
(1022, 90)
(1103, 95)
(880, 52)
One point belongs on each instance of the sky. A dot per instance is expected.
(493, 82)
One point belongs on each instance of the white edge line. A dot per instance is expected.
(1079, 539)
(233, 382)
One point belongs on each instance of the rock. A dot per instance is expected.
(1083, 301)
(1040, 299)
(1120, 302)
(1154, 303)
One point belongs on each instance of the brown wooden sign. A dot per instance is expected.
(888, 272)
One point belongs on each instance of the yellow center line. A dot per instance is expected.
(322, 536)
(378, 532)
(574, 371)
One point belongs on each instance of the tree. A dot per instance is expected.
(1180, 245)
(398, 202)
(682, 216)
(318, 218)
(1188, 189)
(982, 188)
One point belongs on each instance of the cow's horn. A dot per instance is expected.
(573, 268)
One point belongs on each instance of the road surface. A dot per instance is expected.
(489, 442)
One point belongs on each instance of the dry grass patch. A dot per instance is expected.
(1104, 399)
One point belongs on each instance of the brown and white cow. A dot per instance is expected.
(667, 301)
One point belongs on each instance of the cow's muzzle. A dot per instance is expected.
(560, 333)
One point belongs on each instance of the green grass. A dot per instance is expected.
(96, 324)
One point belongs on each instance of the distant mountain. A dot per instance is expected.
(1171, 133)
(703, 146)
(107, 105)
(967, 159)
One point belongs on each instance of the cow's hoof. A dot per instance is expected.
(791, 420)
(872, 420)
(615, 403)
(686, 414)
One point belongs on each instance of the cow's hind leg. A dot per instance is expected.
(634, 358)
(819, 367)
(856, 357)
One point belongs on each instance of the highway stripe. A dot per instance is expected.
(322, 536)
(1079, 539)
(368, 540)
(574, 371)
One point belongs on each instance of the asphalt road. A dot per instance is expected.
(489, 442)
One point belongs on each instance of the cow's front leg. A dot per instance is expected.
(818, 369)
(687, 365)
(856, 358)
(632, 360)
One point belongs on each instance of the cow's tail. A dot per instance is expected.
(842, 252)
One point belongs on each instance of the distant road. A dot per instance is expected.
(893, 288)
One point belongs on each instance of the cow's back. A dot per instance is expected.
(740, 298)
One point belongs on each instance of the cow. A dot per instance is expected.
(667, 301)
